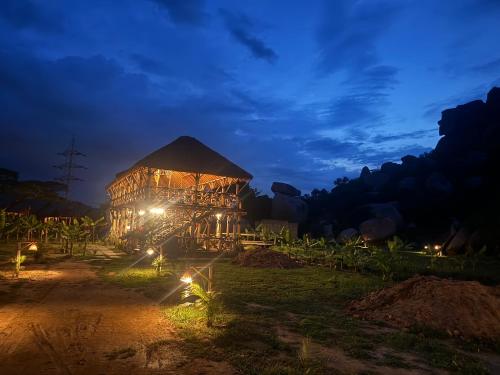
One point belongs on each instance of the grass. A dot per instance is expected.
(261, 304)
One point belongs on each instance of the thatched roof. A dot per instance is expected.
(187, 154)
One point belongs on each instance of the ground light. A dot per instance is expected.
(192, 272)
(150, 251)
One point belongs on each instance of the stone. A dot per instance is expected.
(377, 229)
(289, 208)
(408, 183)
(437, 182)
(461, 120)
(376, 180)
(390, 168)
(347, 235)
(457, 243)
(365, 172)
(285, 189)
(386, 210)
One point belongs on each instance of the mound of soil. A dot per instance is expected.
(461, 308)
(264, 258)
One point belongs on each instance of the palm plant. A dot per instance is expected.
(71, 233)
(389, 260)
(208, 301)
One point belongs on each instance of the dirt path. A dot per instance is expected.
(66, 321)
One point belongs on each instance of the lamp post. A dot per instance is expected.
(31, 246)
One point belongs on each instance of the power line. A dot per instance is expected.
(69, 166)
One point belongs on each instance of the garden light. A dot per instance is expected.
(150, 251)
(218, 216)
(187, 278)
(142, 212)
(33, 247)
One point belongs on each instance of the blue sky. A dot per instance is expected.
(296, 91)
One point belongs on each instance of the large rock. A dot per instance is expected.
(347, 235)
(376, 180)
(289, 208)
(377, 229)
(285, 189)
(386, 210)
(463, 119)
(408, 183)
(390, 168)
(437, 182)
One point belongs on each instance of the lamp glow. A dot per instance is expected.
(187, 278)
(157, 210)
(150, 251)
(33, 247)
(142, 212)
(218, 216)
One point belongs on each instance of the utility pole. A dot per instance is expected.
(68, 167)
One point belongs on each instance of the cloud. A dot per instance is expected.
(148, 65)
(26, 14)
(348, 32)
(417, 134)
(185, 12)
(239, 27)
(490, 67)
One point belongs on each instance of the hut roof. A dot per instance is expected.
(187, 154)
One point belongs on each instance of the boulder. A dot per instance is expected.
(365, 172)
(347, 235)
(377, 229)
(376, 180)
(408, 183)
(289, 208)
(386, 210)
(390, 168)
(462, 120)
(457, 243)
(285, 189)
(437, 182)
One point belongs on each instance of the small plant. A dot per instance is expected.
(474, 257)
(355, 254)
(158, 263)
(17, 261)
(305, 357)
(209, 302)
(389, 261)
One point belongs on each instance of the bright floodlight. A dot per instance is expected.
(157, 210)
(187, 278)
(33, 247)
(437, 247)
(218, 216)
(142, 212)
(150, 251)
(128, 227)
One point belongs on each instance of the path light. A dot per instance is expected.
(142, 212)
(218, 215)
(128, 227)
(33, 247)
(187, 278)
(150, 251)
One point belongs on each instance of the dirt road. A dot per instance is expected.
(65, 320)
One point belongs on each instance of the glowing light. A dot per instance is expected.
(218, 216)
(142, 212)
(128, 227)
(187, 278)
(426, 247)
(157, 210)
(437, 247)
(150, 251)
(33, 247)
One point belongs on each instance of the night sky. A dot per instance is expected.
(296, 91)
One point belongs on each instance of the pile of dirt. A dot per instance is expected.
(461, 308)
(262, 257)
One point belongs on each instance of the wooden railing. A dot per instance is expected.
(179, 196)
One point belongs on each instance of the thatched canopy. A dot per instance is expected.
(185, 157)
